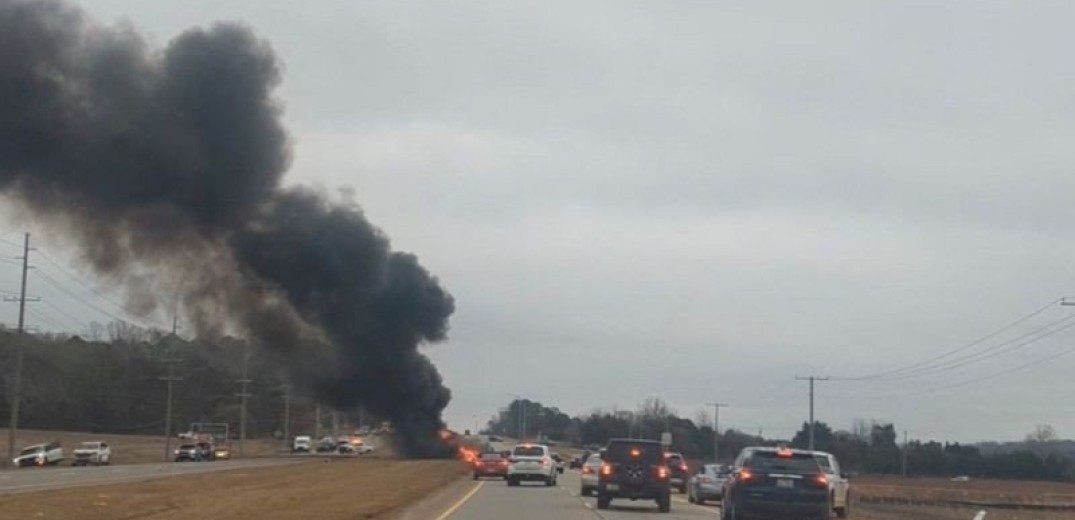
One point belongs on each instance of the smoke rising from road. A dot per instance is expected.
(164, 166)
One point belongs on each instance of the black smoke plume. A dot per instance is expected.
(164, 166)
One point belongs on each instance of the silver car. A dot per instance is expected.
(707, 484)
(590, 469)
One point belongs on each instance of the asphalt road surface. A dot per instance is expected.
(38, 479)
(494, 500)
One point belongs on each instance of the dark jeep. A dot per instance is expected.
(634, 469)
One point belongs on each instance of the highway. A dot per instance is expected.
(37, 479)
(494, 500)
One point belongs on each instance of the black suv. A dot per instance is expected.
(776, 483)
(634, 469)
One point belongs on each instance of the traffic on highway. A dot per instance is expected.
(630, 476)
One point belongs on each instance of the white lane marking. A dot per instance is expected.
(980, 515)
(455, 507)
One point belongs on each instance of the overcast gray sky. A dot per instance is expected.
(698, 200)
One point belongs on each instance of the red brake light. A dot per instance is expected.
(745, 475)
(586, 470)
(784, 453)
(683, 466)
(821, 481)
(636, 453)
(662, 472)
(606, 470)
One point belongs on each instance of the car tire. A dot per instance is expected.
(842, 512)
(585, 492)
(475, 476)
(603, 500)
(512, 482)
(700, 501)
(664, 502)
(683, 489)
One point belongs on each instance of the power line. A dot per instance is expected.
(991, 352)
(986, 377)
(58, 286)
(930, 365)
(89, 287)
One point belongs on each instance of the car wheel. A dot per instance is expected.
(699, 501)
(664, 502)
(683, 489)
(475, 476)
(603, 500)
(842, 512)
(512, 482)
(584, 491)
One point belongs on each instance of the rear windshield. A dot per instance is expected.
(823, 461)
(490, 456)
(529, 451)
(28, 451)
(771, 461)
(620, 451)
(594, 459)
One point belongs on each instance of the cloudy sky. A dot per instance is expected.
(698, 200)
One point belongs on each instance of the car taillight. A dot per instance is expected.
(746, 476)
(606, 470)
(546, 463)
(662, 472)
(586, 470)
(820, 481)
(683, 466)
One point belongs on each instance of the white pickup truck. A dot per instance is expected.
(39, 455)
(94, 452)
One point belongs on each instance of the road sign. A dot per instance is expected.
(666, 438)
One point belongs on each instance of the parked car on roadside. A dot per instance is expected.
(47, 454)
(93, 452)
(302, 444)
(188, 453)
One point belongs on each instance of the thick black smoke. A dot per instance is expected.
(164, 165)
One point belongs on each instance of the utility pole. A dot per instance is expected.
(20, 340)
(170, 379)
(317, 421)
(242, 395)
(716, 429)
(287, 414)
(904, 453)
(812, 379)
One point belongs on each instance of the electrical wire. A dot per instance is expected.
(928, 365)
(58, 286)
(80, 282)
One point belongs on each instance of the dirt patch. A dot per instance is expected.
(328, 489)
(893, 498)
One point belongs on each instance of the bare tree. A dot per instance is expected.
(1040, 438)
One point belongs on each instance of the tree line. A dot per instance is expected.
(872, 447)
(109, 381)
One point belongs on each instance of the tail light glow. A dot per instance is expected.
(745, 475)
(820, 481)
(586, 470)
(606, 470)
(662, 472)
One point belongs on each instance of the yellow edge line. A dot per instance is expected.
(455, 507)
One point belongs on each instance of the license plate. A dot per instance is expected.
(785, 483)
(612, 487)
